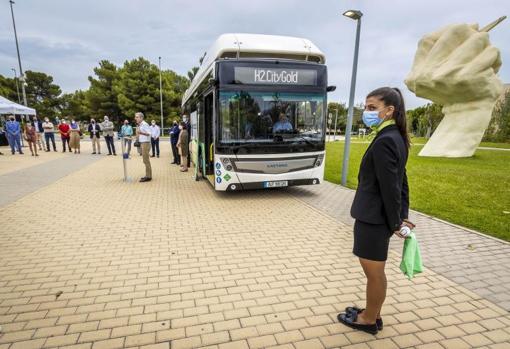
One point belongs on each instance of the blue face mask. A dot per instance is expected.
(371, 118)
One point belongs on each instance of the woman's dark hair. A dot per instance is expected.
(393, 96)
(183, 124)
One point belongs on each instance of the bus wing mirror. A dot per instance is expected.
(331, 88)
(213, 82)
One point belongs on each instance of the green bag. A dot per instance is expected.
(411, 257)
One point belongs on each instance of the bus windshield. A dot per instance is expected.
(268, 117)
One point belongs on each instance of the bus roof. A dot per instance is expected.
(235, 45)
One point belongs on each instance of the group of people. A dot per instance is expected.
(41, 134)
(147, 138)
(107, 129)
(179, 141)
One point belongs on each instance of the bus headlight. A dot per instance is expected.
(319, 160)
(227, 164)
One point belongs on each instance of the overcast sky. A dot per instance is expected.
(67, 38)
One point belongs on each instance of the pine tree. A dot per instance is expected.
(101, 95)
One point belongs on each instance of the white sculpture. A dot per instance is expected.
(456, 67)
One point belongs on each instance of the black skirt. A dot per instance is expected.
(371, 241)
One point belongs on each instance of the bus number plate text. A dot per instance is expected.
(276, 184)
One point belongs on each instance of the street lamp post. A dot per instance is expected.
(17, 83)
(356, 15)
(22, 77)
(161, 96)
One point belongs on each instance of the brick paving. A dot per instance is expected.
(27, 175)
(475, 261)
(11, 163)
(93, 262)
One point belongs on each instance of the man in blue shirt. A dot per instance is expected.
(126, 132)
(174, 137)
(283, 124)
(13, 130)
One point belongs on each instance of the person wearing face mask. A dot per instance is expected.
(30, 136)
(183, 146)
(64, 130)
(49, 134)
(381, 203)
(144, 137)
(126, 132)
(37, 124)
(13, 129)
(155, 133)
(2, 134)
(94, 130)
(107, 129)
(75, 136)
(174, 136)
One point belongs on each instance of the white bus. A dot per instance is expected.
(258, 108)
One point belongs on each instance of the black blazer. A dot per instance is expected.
(98, 129)
(39, 125)
(382, 196)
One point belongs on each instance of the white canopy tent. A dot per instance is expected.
(8, 107)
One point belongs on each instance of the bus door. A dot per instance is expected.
(207, 153)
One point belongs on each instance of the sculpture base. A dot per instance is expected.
(461, 130)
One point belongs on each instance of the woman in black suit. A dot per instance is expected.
(381, 203)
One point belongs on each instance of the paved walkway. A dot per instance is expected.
(475, 261)
(16, 184)
(98, 263)
(10, 163)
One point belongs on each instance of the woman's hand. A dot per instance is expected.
(405, 223)
(408, 223)
(399, 234)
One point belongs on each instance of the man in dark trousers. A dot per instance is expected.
(174, 136)
(49, 135)
(65, 135)
(155, 133)
(94, 130)
(107, 128)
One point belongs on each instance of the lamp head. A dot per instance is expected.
(353, 14)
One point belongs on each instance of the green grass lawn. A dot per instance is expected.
(472, 192)
(423, 140)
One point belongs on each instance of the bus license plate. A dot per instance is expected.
(276, 184)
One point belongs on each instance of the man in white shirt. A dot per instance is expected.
(48, 129)
(155, 132)
(144, 137)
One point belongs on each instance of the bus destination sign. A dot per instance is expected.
(275, 76)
